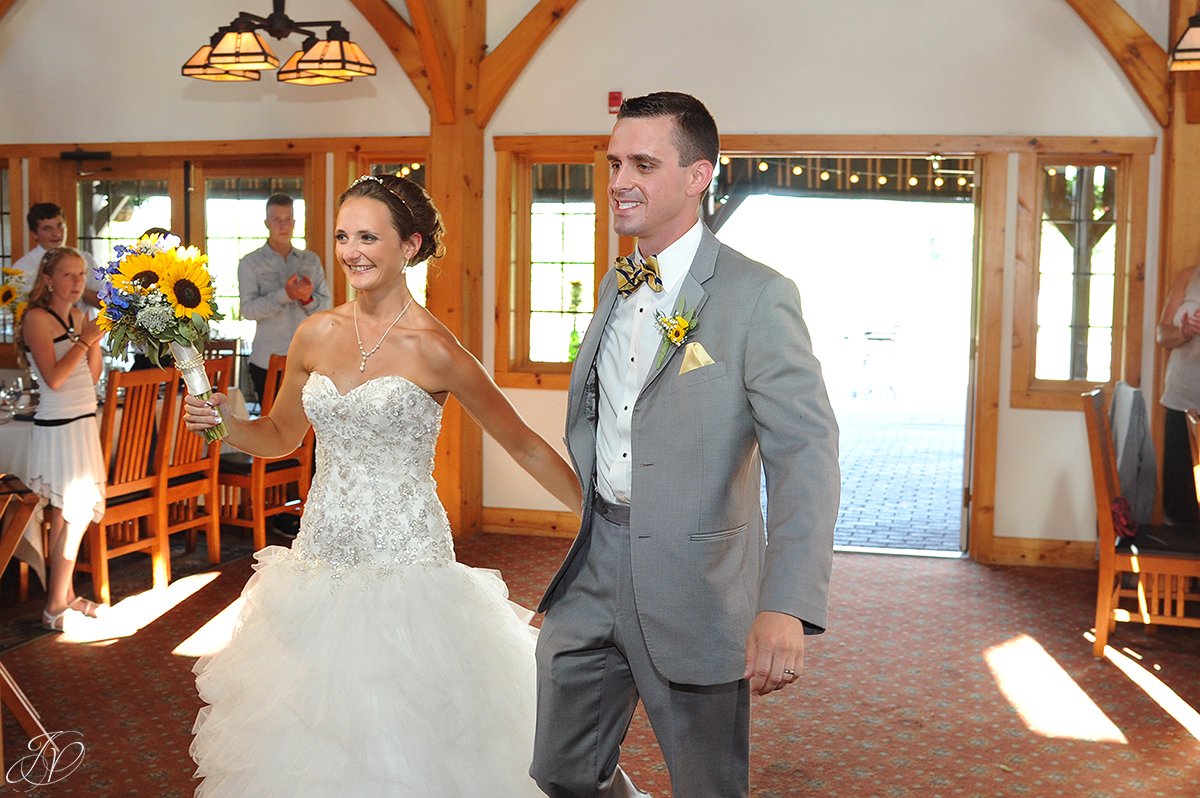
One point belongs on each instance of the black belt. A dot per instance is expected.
(613, 513)
(58, 422)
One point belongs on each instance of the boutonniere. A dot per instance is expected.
(676, 327)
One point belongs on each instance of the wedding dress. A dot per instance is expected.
(366, 661)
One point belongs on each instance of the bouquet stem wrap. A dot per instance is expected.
(191, 366)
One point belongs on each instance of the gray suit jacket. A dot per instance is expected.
(702, 567)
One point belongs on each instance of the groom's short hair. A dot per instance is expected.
(695, 130)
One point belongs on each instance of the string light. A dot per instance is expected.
(797, 170)
(824, 174)
(939, 182)
(763, 166)
(962, 181)
(1052, 171)
(912, 181)
(854, 178)
(881, 180)
(724, 160)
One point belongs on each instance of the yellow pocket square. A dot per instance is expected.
(694, 357)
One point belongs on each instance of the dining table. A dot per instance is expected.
(16, 440)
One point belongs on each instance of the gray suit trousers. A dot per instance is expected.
(593, 666)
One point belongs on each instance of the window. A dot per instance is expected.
(119, 211)
(1073, 308)
(8, 296)
(562, 245)
(1076, 273)
(234, 210)
(552, 249)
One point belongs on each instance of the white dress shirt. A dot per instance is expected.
(626, 356)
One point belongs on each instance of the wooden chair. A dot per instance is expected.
(1155, 570)
(215, 348)
(17, 505)
(191, 474)
(135, 435)
(254, 489)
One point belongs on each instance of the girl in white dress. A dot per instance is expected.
(366, 660)
(62, 346)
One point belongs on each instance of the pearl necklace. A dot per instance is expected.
(362, 366)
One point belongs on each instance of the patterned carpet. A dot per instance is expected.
(937, 678)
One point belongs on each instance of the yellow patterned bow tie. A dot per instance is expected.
(630, 275)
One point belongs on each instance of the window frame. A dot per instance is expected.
(515, 158)
(1028, 391)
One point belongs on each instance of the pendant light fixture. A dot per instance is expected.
(238, 52)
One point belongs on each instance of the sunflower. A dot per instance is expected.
(8, 294)
(138, 272)
(12, 271)
(187, 286)
(20, 312)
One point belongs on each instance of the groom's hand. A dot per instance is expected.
(775, 645)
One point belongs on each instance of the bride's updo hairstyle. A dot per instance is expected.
(411, 209)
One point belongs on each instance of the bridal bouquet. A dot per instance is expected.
(159, 297)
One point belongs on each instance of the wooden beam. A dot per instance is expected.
(437, 54)
(1142, 60)
(502, 66)
(401, 39)
(989, 342)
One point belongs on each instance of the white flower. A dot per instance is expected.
(155, 317)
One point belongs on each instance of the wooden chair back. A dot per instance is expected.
(1155, 571)
(1104, 468)
(193, 495)
(135, 438)
(136, 428)
(191, 454)
(256, 488)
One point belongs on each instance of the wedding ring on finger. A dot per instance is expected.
(789, 672)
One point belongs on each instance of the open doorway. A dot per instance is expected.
(886, 282)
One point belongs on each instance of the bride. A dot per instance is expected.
(366, 660)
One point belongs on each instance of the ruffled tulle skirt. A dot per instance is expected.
(66, 467)
(415, 682)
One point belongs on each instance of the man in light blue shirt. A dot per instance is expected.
(280, 286)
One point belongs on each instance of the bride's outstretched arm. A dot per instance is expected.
(486, 403)
(273, 435)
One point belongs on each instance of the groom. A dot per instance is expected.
(672, 592)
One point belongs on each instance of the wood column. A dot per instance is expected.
(455, 293)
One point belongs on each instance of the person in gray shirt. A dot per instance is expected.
(280, 286)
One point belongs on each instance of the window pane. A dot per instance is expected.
(555, 337)
(562, 253)
(1100, 302)
(1057, 254)
(113, 212)
(6, 312)
(1076, 272)
(1104, 253)
(1099, 367)
(1053, 353)
(1054, 300)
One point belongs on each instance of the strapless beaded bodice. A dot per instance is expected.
(373, 501)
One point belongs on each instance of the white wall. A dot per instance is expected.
(85, 71)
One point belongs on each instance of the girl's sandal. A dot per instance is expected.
(55, 622)
(89, 608)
